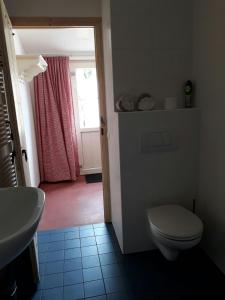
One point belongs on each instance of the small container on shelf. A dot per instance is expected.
(170, 103)
(188, 88)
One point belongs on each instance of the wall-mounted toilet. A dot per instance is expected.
(174, 228)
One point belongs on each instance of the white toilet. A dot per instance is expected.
(174, 228)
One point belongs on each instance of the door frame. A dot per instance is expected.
(96, 23)
(81, 132)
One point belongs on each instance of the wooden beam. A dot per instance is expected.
(46, 22)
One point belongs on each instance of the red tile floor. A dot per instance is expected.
(72, 203)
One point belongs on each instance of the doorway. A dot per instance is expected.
(91, 200)
(86, 104)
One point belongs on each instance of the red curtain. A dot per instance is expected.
(56, 136)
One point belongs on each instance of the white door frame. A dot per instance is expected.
(83, 132)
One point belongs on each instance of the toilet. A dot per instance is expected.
(174, 228)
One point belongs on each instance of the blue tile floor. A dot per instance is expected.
(86, 263)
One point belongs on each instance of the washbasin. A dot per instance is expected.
(20, 212)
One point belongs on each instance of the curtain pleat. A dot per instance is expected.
(56, 135)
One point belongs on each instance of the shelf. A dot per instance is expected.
(159, 110)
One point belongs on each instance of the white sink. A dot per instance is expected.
(20, 212)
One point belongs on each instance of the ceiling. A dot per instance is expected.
(57, 41)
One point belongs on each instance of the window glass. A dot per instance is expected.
(87, 93)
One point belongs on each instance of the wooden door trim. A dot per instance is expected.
(48, 22)
(102, 105)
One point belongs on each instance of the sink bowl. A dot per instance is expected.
(20, 212)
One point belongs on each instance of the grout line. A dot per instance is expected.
(102, 275)
(82, 265)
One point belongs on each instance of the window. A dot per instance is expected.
(87, 96)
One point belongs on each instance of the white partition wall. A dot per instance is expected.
(159, 163)
(113, 129)
(151, 53)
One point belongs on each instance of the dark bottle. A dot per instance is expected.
(188, 94)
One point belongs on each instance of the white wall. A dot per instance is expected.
(112, 123)
(19, 49)
(32, 172)
(152, 47)
(54, 8)
(209, 75)
(31, 144)
(151, 52)
(153, 178)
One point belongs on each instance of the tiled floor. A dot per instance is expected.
(72, 203)
(86, 263)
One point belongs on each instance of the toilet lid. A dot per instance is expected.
(175, 221)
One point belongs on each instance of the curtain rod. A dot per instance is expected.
(72, 57)
(77, 53)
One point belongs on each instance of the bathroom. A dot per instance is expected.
(181, 40)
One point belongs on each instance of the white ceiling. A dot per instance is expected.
(57, 41)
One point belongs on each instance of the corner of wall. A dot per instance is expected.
(113, 130)
(209, 75)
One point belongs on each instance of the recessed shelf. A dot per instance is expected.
(158, 110)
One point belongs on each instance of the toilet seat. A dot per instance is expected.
(175, 222)
(173, 238)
